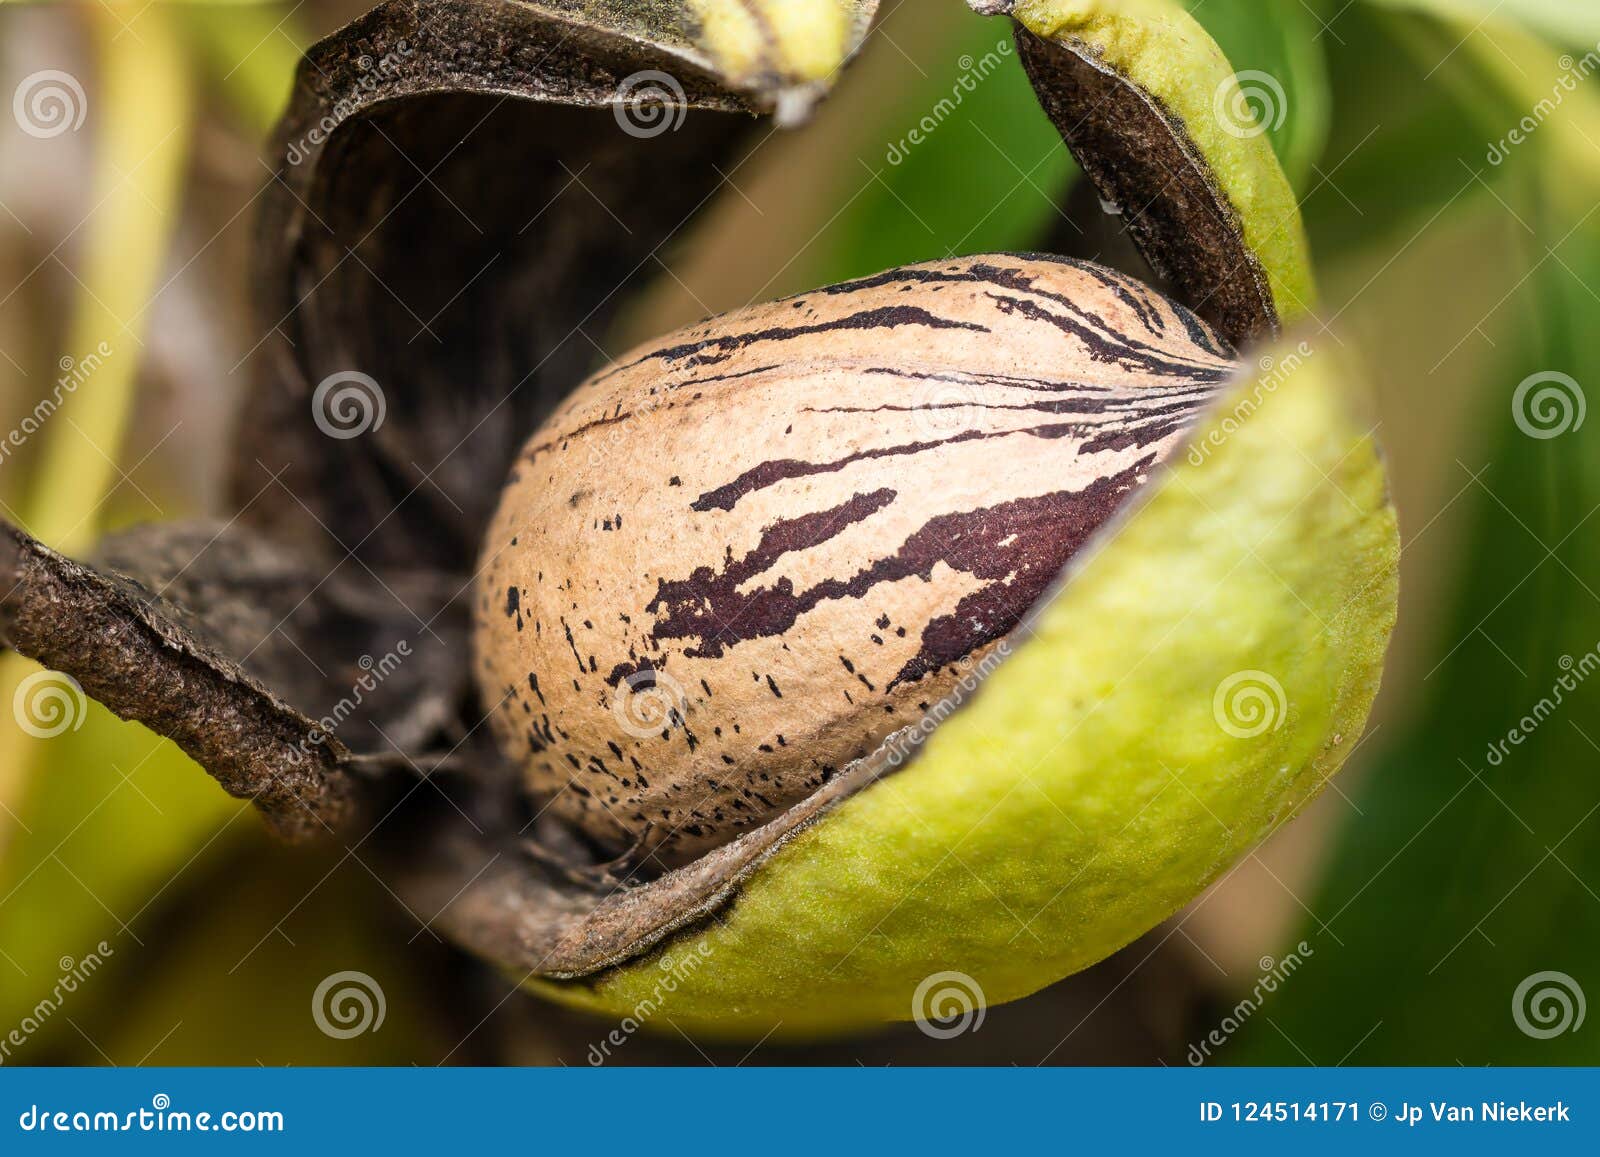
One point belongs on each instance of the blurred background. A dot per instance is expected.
(1440, 904)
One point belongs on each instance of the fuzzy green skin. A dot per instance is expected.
(1087, 791)
(1163, 50)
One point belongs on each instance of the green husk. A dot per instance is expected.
(1098, 780)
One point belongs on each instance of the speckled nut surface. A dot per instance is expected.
(737, 559)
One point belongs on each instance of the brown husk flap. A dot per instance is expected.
(1138, 157)
(533, 919)
(151, 657)
(463, 199)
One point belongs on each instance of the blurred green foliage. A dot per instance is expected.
(1476, 861)
(968, 163)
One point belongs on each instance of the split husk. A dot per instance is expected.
(1039, 828)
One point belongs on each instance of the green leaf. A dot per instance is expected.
(1468, 870)
(251, 50)
(1575, 21)
(278, 958)
(114, 821)
(1398, 115)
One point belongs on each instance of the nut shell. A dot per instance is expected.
(740, 557)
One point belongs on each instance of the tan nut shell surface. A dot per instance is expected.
(741, 556)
